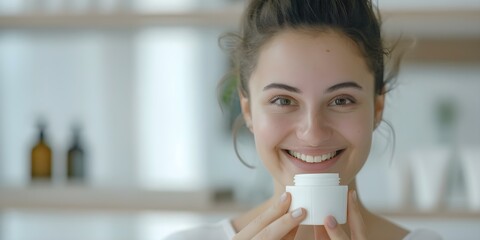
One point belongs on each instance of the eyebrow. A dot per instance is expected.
(343, 85)
(329, 90)
(282, 86)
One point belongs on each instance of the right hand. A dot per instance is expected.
(275, 223)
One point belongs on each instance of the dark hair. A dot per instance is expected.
(358, 20)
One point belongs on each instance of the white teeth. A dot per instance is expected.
(312, 159)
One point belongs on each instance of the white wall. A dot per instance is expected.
(168, 95)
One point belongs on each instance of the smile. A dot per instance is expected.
(313, 159)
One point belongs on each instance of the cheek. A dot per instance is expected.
(358, 129)
(269, 130)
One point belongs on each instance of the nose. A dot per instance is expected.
(314, 129)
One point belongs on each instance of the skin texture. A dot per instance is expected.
(312, 93)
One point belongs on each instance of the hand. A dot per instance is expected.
(331, 230)
(275, 223)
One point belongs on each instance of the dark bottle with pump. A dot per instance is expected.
(41, 157)
(76, 158)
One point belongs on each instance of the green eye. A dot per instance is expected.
(282, 101)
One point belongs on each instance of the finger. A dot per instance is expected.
(260, 222)
(335, 232)
(282, 227)
(358, 230)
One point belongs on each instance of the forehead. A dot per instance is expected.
(311, 54)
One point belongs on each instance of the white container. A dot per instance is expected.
(471, 167)
(429, 173)
(320, 195)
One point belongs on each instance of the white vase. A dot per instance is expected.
(429, 175)
(470, 158)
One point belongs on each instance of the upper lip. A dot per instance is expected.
(313, 152)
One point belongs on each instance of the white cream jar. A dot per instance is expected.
(321, 195)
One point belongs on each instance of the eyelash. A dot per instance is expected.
(348, 99)
(281, 98)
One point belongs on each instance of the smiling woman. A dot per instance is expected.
(312, 92)
(325, 115)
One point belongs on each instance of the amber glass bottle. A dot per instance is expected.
(76, 158)
(41, 157)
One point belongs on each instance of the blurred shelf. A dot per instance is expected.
(443, 24)
(204, 18)
(78, 197)
(435, 36)
(83, 198)
(449, 23)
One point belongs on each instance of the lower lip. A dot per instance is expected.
(313, 167)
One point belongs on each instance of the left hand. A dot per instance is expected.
(331, 229)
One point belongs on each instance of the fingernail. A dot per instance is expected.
(297, 213)
(283, 197)
(354, 195)
(331, 222)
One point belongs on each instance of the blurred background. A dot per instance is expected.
(120, 97)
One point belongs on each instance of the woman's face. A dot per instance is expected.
(312, 107)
